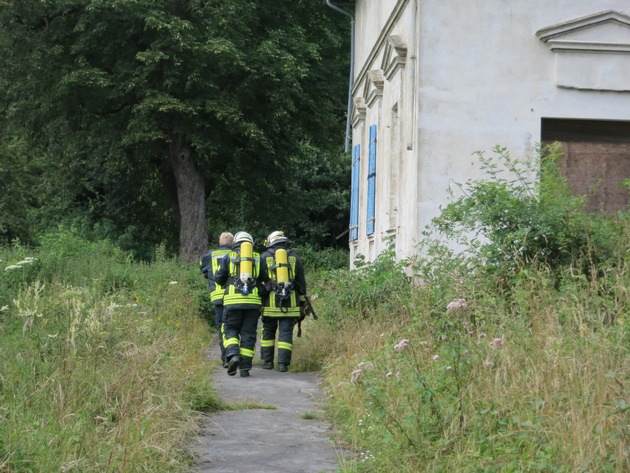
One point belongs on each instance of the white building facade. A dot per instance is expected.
(436, 81)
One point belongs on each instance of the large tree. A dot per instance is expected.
(142, 105)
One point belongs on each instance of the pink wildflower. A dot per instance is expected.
(497, 342)
(457, 305)
(401, 345)
(356, 376)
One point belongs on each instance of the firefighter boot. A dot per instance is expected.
(233, 365)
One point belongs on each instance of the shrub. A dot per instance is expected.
(524, 214)
(363, 292)
(325, 259)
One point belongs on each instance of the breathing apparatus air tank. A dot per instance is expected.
(246, 265)
(283, 285)
(282, 266)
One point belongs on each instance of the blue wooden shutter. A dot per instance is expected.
(354, 197)
(371, 191)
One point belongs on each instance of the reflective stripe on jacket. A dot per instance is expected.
(234, 295)
(276, 305)
(216, 290)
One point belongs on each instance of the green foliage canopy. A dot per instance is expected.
(113, 92)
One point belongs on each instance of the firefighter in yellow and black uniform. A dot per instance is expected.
(209, 265)
(237, 272)
(284, 294)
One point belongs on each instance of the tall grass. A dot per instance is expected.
(541, 383)
(102, 359)
(510, 364)
(514, 357)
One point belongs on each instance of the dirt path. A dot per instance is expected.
(288, 434)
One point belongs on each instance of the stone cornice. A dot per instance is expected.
(591, 52)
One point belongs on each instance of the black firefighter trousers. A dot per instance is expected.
(284, 327)
(240, 327)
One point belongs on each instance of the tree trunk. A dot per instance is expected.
(191, 200)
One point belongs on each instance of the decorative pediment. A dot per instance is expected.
(607, 31)
(359, 111)
(395, 56)
(375, 84)
(592, 52)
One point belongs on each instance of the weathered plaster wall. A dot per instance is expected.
(371, 17)
(475, 75)
(486, 79)
(386, 88)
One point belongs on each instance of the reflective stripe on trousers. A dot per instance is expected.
(241, 324)
(284, 327)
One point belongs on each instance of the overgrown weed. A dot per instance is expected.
(511, 356)
(102, 362)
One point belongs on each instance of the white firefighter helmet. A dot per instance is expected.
(243, 236)
(275, 237)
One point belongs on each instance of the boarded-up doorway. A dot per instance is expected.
(596, 159)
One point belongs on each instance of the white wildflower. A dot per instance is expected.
(27, 260)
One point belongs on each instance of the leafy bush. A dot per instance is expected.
(323, 259)
(525, 214)
(19, 168)
(362, 292)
